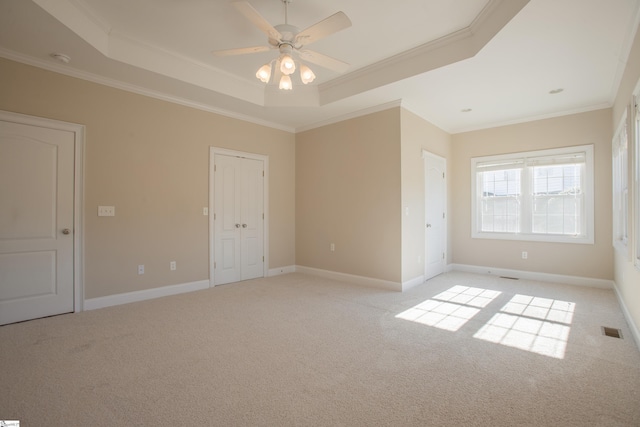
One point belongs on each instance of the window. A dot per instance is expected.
(620, 171)
(636, 149)
(544, 195)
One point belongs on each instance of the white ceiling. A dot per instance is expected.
(499, 58)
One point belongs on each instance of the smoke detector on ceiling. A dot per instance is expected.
(61, 57)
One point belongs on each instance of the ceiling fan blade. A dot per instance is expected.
(336, 22)
(241, 51)
(324, 61)
(254, 16)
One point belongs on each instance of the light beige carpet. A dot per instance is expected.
(298, 350)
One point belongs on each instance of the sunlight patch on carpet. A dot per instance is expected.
(451, 309)
(539, 325)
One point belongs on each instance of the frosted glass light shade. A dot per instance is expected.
(306, 75)
(264, 73)
(287, 66)
(285, 83)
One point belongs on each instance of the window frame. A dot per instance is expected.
(635, 155)
(526, 208)
(621, 188)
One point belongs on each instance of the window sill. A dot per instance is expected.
(534, 238)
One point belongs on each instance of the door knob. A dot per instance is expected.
(244, 225)
(428, 225)
(237, 225)
(66, 231)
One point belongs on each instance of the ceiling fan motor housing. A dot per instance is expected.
(288, 32)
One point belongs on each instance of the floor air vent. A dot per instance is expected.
(611, 332)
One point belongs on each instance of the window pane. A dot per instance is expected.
(620, 188)
(540, 224)
(554, 224)
(557, 214)
(637, 179)
(557, 191)
(500, 204)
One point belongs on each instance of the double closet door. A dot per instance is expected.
(238, 218)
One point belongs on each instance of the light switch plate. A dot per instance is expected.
(106, 211)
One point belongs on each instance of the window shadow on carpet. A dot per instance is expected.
(538, 325)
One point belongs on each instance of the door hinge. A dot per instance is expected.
(442, 215)
(263, 174)
(215, 168)
(262, 259)
(442, 255)
(442, 175)
(262, 216)
(214, 216)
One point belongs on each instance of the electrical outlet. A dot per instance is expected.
(525, 255)
(106, 211)
(205, 211)
(333, 247)
(172, 265)
(141, 269)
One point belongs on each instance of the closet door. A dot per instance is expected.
(435, 213)
(238, 219)
(252, 221)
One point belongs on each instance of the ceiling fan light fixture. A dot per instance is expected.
(287, 65)
(306, 75)
(264, 73)
(285, 83)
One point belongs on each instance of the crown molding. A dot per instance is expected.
(528, 119)
(122, 47)
(625, 51)
(462, 44)
(128, 87)
(351, 115)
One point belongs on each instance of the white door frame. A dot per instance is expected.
(426, 154)
(213, 151)
(78, 193)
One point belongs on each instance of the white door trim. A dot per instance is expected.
(426, 154)
(78, 193)
(213, 151)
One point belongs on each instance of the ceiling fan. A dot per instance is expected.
(288, 39)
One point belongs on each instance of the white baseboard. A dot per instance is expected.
(627, 315)
(412, 283)
(281, 270)
(351, 278)
(110, 300)
(532, 275)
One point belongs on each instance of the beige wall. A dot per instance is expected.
(150, 159)
(345, 183)
(348, 193)
(592, 261)
(626, 276)
(418, 134)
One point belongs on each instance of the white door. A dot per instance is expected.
(238, 219)
(435, 215)
(36, 221)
